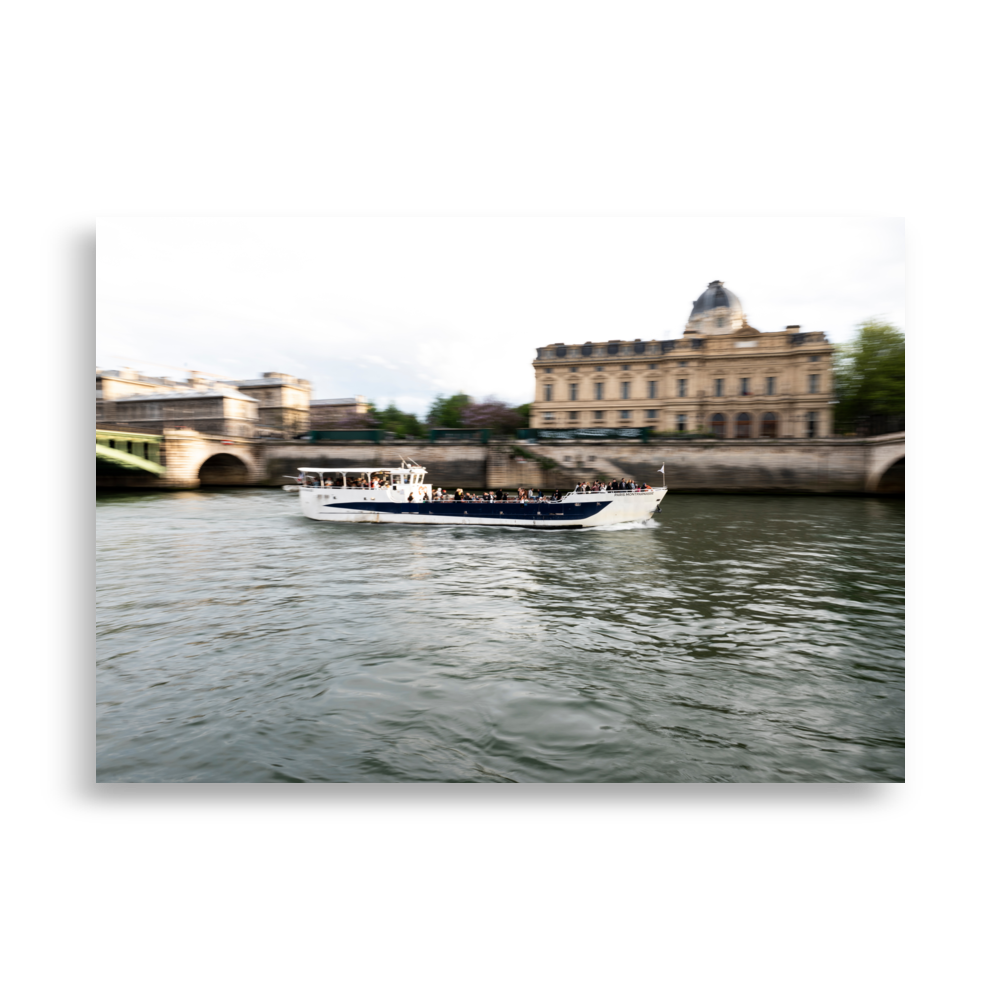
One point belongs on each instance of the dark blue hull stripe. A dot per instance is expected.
(554, 512)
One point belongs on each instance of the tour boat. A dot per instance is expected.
(400, 496)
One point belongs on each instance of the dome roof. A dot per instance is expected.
(715, 297)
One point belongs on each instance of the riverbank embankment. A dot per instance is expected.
(848, 466)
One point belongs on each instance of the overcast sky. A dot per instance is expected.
(403, 308)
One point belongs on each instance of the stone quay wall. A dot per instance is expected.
(825, 465)
(822, 466)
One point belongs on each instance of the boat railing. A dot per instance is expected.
(472, 499)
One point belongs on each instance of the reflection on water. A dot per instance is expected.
(732, 639)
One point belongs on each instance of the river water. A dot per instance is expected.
(731, 639)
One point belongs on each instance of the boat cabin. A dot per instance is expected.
(368, 479)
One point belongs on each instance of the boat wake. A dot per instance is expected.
(625, 526)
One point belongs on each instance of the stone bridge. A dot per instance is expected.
(886, 472)
(180, 458)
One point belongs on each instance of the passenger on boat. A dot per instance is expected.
(409, 499)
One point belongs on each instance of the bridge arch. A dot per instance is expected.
(887, 471)
(223, 469)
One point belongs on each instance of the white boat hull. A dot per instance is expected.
(577, 510)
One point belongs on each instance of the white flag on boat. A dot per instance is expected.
(661, 468)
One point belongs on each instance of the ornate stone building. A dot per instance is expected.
(723, 377)
(148, 404)
(327, 414)
(275, 405)
(282, 401)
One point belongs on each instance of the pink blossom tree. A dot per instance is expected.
(492, 413)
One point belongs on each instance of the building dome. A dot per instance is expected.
(716, 310)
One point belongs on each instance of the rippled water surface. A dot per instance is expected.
(730, 639)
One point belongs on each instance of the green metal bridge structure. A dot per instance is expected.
(128, 451)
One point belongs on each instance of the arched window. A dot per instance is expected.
(719, 425)
(769, 425)
(743, 425)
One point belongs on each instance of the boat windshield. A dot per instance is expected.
(361, 479)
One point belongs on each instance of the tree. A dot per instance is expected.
(870, 378)
(394, 419)
(492, 413)
(447, 411)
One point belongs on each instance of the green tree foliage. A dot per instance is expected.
(446, 411)
(461, 410)
(870, 376)
(394, 419)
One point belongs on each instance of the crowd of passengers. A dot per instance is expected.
(537, 496)
(489, 496)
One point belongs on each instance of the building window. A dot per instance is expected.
(548, 393)
(625, 414)
(651, 388)
(719, 425)
(682, 422)
(654, 365)
(651, 414)
(813, 358)
(549, 415)
(744, 387)
(743, 425)
(573, 386)
(720, 385)
(548, 371)
(682, 364)
(574, 414)
(598, 414)
(812, 424)
(598, 390)
(719, 321)
(814, 383)
(599, 368)
(682, 387)
(572, 369)
(769, 425)
(626, 389)
(770, 385)
(625, 368)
